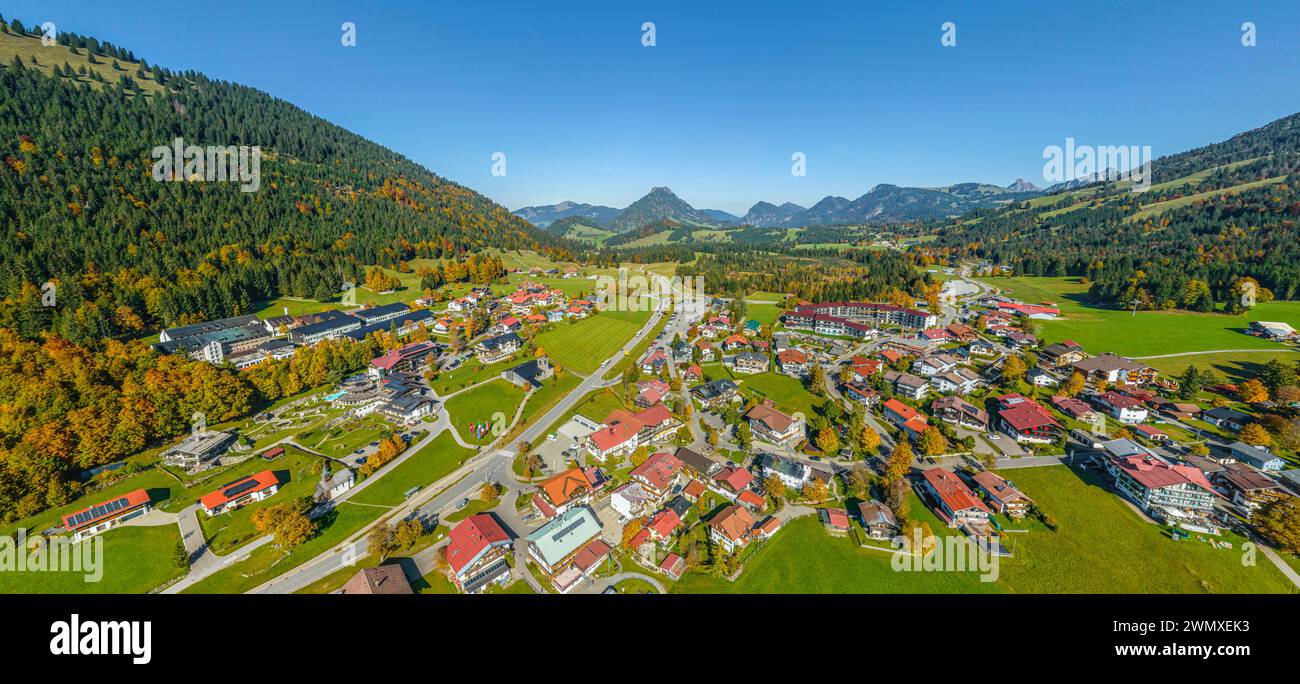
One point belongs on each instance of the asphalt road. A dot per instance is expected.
(488, 467)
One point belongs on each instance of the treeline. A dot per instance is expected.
(854, 275)
(123, 252)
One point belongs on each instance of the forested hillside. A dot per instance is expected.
(128, 254)
(1214, 217)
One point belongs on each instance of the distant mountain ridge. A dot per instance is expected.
(882, 204)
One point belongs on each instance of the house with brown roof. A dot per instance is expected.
(1001, 495)
(563, 491)
(774, 427)
(731, 528)
(955, 503)
(792, 362)
(385, 579)
(877, 520)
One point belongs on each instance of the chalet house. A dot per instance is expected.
(959, 380)
(693, 373)
(732, 480)
(1061, 354)
(908, 386)
(706, 350)
(1257, 457)
(863, 369)
(955, 503)
(1227, 418)
(477, 550)
(958, 411)
(1121, 407)
(508, 324)
(934, 335)
(877, 520)
(1041, 378)
(1001, 495)
(749, 362)
(731, 528)
(734, 342)
(977, 348)
(696, 463)
(792, 362)
(1162, 489)
(1249, 489)
(561, 492)
(934, 365)
(897, 413)
(657, 474)
(774, 427)
(655, 362)
(495, 349)
(615, 439)
(631, 500)
(962, 332)
(1179, 410)
(1115, 369)
(861, 393)
(1026, 421)
(1074, 408)
(793, 473)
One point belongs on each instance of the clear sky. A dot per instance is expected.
(731, 90)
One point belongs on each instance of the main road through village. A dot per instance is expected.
(490, 466)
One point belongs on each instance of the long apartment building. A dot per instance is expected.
(856, 319)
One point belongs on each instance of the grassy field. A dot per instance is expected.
(1101, 546)
(268, 562)
(763, 313)
(47, 57)
(481, 404)
(428, 465)
(136, 559)
(228, 531)
(1235, 366)
(789, 393)
(581, 346)
(1149, 332)
(473, 372)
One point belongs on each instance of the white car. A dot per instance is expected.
(550, 437)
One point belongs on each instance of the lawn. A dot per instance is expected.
(1102, 546)
(584, 344)
(228, 531)
(472, 372)
(804, 558)
(789, 393)
(1149, 332)
(267, 562)
(428, 465)
(136, 559)
(765, 314)
(482, 404)
(1235, 366)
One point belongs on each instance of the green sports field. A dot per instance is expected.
(581, 346)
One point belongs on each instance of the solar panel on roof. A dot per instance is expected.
(97, 511)
(239, 488)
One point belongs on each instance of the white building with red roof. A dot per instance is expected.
(476, 553)
(106, 514)
(955, 503)
(241, 492)
(657, 474)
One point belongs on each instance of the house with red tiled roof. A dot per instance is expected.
(897, 413)
(954, 502)
(731, 528)
(657, 474)
(476, 553)
(562, 491)
(673, 565)
(693, 373)
(694, 490)
(1001, 495)
(1026, 420)
(751, 500)
(792, 362)
(768, 527)
(662, 525)
(106, 514)
(732, 480)
(613, 439)
(835, 520)
(241, 492)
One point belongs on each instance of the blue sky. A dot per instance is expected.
(715, 109)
